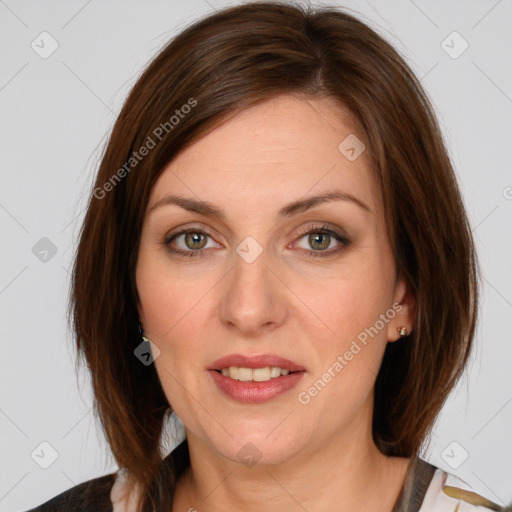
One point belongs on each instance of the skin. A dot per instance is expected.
(316, 456)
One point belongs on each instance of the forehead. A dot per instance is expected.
(270, 154)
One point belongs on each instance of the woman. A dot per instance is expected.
(276, 250)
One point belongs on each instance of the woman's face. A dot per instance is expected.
(269, 279)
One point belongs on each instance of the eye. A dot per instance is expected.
(320, 238)
(193, 240)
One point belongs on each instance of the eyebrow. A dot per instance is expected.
(299, 206)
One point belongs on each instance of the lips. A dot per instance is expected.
(251, 392)
(260, 361)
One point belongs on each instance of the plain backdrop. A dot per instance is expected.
(56, 110)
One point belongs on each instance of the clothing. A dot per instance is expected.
(426, 489)
(90, 496)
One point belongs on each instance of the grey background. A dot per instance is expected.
(55, 115)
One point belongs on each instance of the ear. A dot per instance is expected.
(404, 304)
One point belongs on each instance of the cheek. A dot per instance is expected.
(342, 306)
(175, 323)
(348, 359)
(350, 337)
(177, 312)
(173, 316)
(167, 298)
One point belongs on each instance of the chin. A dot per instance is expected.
(254, 450)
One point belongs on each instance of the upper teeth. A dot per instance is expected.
(256, 374)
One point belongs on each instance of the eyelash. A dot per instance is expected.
(322, 229)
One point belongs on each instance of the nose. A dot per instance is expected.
(254, 300)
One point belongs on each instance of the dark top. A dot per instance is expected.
(94, 495)
(90, 496)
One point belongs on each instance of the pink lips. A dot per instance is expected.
(260, 361)
(255, 392)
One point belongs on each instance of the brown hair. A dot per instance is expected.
(219, 65)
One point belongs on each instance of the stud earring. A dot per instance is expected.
(402, 330)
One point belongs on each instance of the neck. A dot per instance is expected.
(333, 475)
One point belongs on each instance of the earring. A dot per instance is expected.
(144, 338)
(402, 330)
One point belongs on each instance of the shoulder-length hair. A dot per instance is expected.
(219, 65)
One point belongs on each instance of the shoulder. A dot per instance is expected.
(92, 495)
(114, 492)
(448, 493)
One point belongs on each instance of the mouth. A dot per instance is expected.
(264, 366)
(255, 379)
(263, 374)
